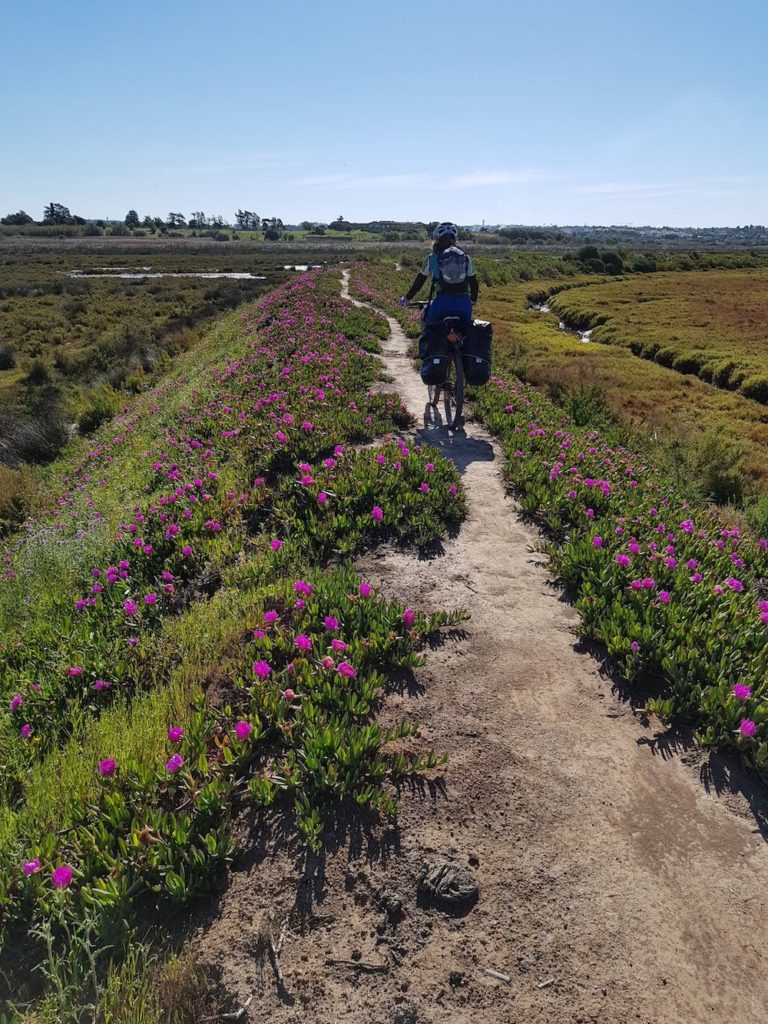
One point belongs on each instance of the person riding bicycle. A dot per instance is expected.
(454, 281)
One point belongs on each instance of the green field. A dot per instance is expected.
(712, 324)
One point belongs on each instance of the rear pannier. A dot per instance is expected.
(433, 352)
(476, 353)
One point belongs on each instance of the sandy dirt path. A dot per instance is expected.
(620, 881)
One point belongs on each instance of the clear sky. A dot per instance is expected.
(508, 111)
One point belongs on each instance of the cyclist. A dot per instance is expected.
(454, 281)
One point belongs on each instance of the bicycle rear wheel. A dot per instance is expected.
(453, 391)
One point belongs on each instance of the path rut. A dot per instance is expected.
(620, 880)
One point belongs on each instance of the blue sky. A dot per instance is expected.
(508, 111)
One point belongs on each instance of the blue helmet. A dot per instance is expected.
(446, 228)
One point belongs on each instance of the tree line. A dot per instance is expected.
(56, 214)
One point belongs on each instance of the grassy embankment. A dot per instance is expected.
(184, 641)
(677, 596)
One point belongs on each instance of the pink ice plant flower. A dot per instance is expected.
(107, 767)
(175, 733)
(288, 695)
(338, 645)
(16, 701)
(243, 730)
(331, 623)
(365, 590)
(25, 731)
(747, 728)
(62, 876)
(304, 643)
(31, 867)
(345, 669)
(270, 617)
(409, 617)
(741, 692)
(275, 544)
(377, 513)
(174, 762)
(262, 669)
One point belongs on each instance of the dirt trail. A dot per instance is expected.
(617, 883)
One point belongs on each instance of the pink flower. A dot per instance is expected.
(331, 623)
(338, 645)
(424, 488)
(735, 584)
(243, 730)
(377, 514)
(345, 669)
(303, 642)
(76, 670)
(671, 563)
(453, 489)
(288, 695)
(664, 596)
(747, 728)
(107, 767)
(322, 498)
(175, 733)
(328, 662)
(409, 617)
(300, 604)
(634, 646)
(622, 559)
(692, 564)
(25, 731)
(741, 692)
(366, 590)
(31, 867)
(429, 468)
(270, 617)
(261, 669)
(16, 701)
(186, 551)
(62, 876)
(174, 762)
(100, 684)
(275, 544)
(597, 542)
(130, 607)
(150, 599)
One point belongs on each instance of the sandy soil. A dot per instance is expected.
(623, 877)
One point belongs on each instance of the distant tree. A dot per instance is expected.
(148, 222)
(217, 221)
(55, 213)
(614, 264)
(587, 253)
(132, 219)
(247, 220)
(197, 219)
(17, 219)
(176, 220)
(272, 234)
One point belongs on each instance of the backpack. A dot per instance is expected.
(453, 265)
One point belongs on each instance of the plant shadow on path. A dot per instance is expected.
(721, 773)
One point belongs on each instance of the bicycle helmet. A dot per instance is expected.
(446, 228)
